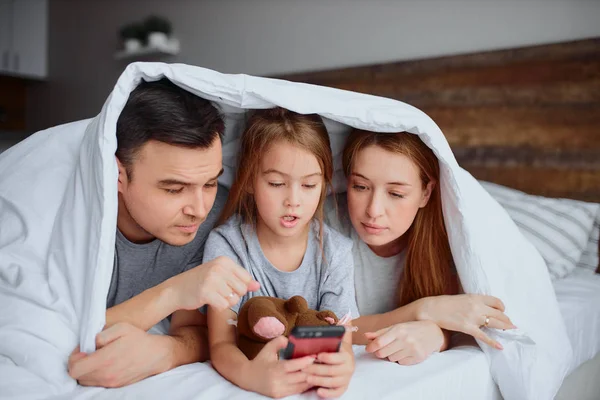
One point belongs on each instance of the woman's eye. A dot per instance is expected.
(360, 188)
(210, 185)
(174, 191)
(276, 184)
(310, 186)
(397, 195)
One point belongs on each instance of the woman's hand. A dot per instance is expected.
(333, 372)
(466, 313)
(278, 378)
(406, 343)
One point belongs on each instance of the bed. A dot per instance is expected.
(460, 373)
(526, 118)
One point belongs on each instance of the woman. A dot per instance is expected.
(406, 283)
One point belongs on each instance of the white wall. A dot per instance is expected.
(265, 37)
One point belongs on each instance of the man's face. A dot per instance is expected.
(171, 191)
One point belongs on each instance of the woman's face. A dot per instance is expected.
(384, 194)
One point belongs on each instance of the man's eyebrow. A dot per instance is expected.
(274, 171)
(388, 183)
(218, 175)
(168, 182)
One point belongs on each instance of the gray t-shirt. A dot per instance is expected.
(326, 283)
(138, 267)
(376, 279)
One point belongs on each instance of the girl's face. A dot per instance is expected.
(384, 194)
(287, 189)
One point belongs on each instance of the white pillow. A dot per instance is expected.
(559, 228)
(589, 258)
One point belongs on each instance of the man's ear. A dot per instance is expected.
(123, 180)
(427, 194)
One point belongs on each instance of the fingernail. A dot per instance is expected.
(499, 346)
(515, 327)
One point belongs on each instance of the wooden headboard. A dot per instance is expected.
(527, 118)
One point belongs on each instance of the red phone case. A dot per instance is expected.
(308, 340)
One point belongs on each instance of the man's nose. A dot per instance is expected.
(195, 207)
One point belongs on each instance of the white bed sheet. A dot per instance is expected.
(461, 373)
(578, 297)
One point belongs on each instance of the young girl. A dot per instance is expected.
(406, 284)
(273, 226)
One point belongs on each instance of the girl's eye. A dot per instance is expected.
(276, 184)
(174, 191)
(359, 188)
(397, 195)
(310, 186)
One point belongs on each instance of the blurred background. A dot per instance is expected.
(506, 80)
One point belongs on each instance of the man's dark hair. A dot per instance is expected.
(164, 112)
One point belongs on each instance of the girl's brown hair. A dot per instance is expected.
(264, 128)
(429, 263)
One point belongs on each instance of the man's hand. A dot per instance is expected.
(219, 283)
(122, 357)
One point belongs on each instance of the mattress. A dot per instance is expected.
(578, 297)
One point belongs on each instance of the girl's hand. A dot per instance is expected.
(406, 343)
(278, 378)
(333, 372)
(466, 313)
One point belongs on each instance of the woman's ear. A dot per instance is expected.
(427, 194)
(123, 179)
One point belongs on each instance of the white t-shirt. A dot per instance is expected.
(376, 279)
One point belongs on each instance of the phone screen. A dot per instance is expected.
(312, 340)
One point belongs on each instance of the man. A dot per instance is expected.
(169, 158)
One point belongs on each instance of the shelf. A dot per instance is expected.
(169, 48)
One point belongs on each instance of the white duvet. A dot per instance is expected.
(58, 208)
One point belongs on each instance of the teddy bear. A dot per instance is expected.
(263, 318)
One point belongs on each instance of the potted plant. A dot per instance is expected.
(132, 35)
(157, 30)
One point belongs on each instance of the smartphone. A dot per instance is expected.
(312, 340)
